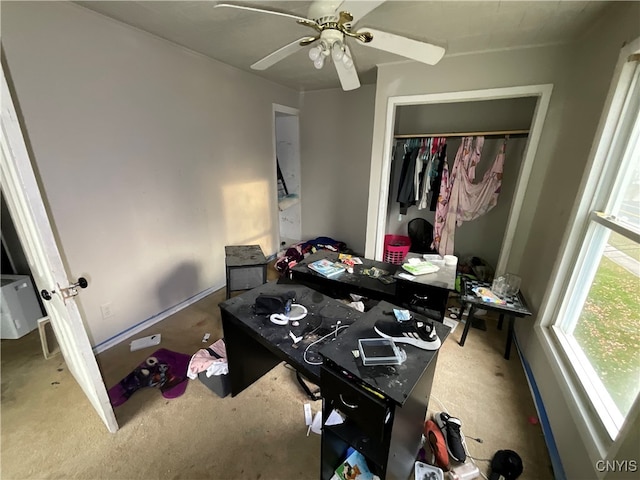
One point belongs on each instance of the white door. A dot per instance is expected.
(32, 224)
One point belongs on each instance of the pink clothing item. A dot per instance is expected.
(442, 206)
(220, 348)
(476, 199)
(463, 200)
(202, 360)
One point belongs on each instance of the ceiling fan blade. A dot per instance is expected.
(280, 54)
(406, 47)
(347, 75)
(359, 8)
(260, 10)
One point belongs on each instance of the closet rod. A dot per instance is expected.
(466, 134)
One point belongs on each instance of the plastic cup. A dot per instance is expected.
(512, 284)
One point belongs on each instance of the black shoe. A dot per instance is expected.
(450, 427)
(414, 332)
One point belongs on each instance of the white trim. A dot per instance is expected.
(614, 224)
(122, 336)
(286, 110)
(578, 409)
(543, 92)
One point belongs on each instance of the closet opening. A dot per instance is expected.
(510, 118)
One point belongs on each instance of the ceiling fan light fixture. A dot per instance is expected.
(315, 53)
(337, 53)
(318, 53)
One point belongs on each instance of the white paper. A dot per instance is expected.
(145, 342)
(316, 425)
(334, 419)
(407, 276)
(308, 417)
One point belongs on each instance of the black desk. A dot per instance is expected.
(387, 428)
(343, 284)
(255, 345)
(427, 294)
(385, 405)
(515, 307)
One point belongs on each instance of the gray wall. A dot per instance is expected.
(513, 68)
(590, 74)
(581, 74)
(501, 114)
(335, 135)
(152, 158)
(483, 236)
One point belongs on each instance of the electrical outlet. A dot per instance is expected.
(107, 310)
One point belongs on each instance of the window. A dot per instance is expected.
(597, 322)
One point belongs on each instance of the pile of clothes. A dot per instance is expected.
(290, 257)
(211, 360)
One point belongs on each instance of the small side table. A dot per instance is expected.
(246, 267)
(515, 307)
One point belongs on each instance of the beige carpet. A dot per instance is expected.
(49, 430)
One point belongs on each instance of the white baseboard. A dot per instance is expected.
(130, 332)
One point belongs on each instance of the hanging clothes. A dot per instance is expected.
(433, 170)
(462, 200)
(406, 187)
(436, 175)
(419, 180)
(424, 184)
(421, 164)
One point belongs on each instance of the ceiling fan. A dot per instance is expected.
(333, 22)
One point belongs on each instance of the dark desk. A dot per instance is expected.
(387, 423)
(343, 284)
(385, 405)
(427, 294)
(515, 307)
(255, 345)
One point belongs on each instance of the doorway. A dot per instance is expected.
(287, 158)
(382, 170)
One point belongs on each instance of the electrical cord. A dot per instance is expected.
(334, 332)
(480, 459)
(479, 440)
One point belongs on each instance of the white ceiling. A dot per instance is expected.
(240, 38)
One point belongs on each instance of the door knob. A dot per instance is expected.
(70, 291)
